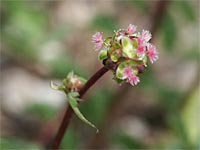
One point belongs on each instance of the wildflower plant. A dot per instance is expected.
(126, 54)
(129, 50)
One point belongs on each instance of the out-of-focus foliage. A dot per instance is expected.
(186, 10)
(97, 103)
(26, 29)
(42, 111)
(141, 5)
(105, 23)
(126, 141)
(62, 66)
(70, 140)
(16, 143)
(170, 32)
(189, 117)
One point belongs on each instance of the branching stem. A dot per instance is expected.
(69, 112)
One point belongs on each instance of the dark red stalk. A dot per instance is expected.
(69, 112)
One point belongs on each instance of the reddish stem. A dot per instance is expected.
(69, 112)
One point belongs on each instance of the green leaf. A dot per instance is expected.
(128, 48)
(72, 99)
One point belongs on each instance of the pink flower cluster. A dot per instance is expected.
(128, 73)
(144, 47)
(133, 47)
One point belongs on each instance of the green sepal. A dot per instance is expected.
(72, 99)
(123, 65)
(83, 80)
(128, 48)
(70, 74)
(119, 71)
(103, 54)
(119, 81)
(145, 61)
(57, 87)
(117, 45)
(115, 56)
(135, 44)
(108, 41)
(74, 94)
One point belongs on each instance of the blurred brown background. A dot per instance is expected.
(44, 40)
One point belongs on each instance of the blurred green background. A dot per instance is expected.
(44, 40)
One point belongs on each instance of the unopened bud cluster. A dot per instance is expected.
(72, 83)
(129, 50)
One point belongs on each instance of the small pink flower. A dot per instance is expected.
(131, 29)
(128, 74)
(128, 71)
(133, 80)
(146, 35)
(152, 53)
(97, 39)
(141, 51)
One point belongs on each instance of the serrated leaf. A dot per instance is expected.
(74, 104)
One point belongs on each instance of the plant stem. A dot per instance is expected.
(99, 141)
(69, 112)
